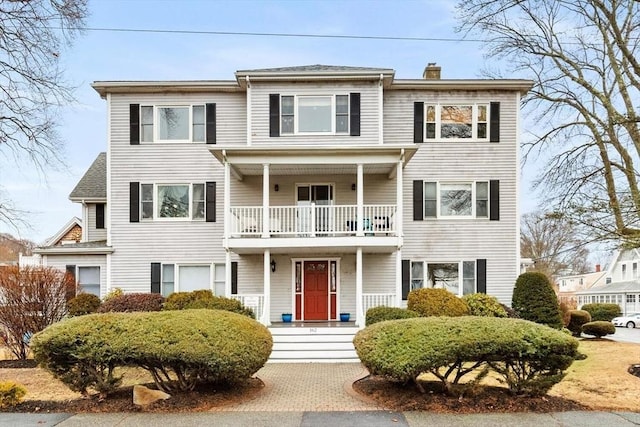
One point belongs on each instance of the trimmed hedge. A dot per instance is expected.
(132, 302)
(577, 318)
(83, 304)
(484, 305)
(436, 302)
(179, 348)
(529, 357)
(602, 312)
(205, 299)
(599, 328)
(382, 313)
(11, 394)
(534, 299)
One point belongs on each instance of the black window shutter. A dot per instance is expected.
(494, 200)
(418, 200)
(418, 122)
(155, 277)
(134, 202)
(354, 111)
(481, 276)
(210, 119)
(494, 124)
(100, 215)
(134, 124)
(234, 277)
(274, 114)
(71, 272)
(210, 201)
(406, 279)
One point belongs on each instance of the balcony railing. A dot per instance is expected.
(313, 221)
(253, 301)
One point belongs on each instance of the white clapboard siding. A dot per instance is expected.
(61, 261)
(93, 234)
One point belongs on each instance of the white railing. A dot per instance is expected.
(253, 301)
(29, 260)
(312, 220)
(377, 300)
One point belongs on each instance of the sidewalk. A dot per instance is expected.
(316, 394)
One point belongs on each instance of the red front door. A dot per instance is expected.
(316, 290)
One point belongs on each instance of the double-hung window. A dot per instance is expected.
(458, 278)
(185, 278)
(456, 200)
(89, 280)
(456, 122)
(312, 114)
(173, 201)
(181, 123)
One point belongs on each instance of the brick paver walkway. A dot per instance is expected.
(308, 387)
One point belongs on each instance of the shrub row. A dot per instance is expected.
(178, 348)
(116, 301)
(529, 358)
(382, 313)
(602, 312)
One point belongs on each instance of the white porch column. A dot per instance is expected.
(265, 200)
(266, 310)
(398, 277)
(360, 200)
(359, 311)
(227, 273)
(399, 205)
(227, 205)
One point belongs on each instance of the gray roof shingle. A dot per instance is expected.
(315, 68)
(93, 185)
(625, 286)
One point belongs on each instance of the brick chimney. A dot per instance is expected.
(597, 268)
(431, 72)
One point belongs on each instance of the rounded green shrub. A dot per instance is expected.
(602, 312)
(577, 318)
(436, 302)
(382, 313)
(599, 328)
(205, 299)
(83, 304)
(11, 394)
(132, 302)
(484, 305)
(530, 358)
(179, 348)
(534, 300)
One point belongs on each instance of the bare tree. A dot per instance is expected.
(31, 298)
(554, 244)
(583, 58)
(33, 35)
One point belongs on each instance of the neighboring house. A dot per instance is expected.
(80, 247)
(568, 285)
(620, 285)
(310, 190)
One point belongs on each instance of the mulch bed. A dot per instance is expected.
(18, 364)
(202, 399)
(396, 397)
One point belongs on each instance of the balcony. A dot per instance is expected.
(313, 221)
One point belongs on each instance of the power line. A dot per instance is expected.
(292, 35)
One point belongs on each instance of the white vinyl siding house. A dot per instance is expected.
(311, 190)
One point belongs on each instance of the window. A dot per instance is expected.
(172, 123)
(314, 114)
(456, 122)
(186, 278)
(631, 298)
(464, 200)
(635, 270)
(219, 279)
(456, 277)
(99, 216)
(173, 201)
(89, 280)
(624, 271)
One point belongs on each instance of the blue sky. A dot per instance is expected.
(111, 55)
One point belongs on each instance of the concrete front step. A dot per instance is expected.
(313, 344)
